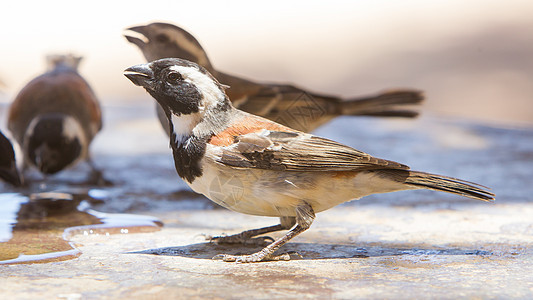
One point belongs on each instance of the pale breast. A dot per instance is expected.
(277, 193)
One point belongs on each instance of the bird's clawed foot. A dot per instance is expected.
(256, 257)
(240, 239)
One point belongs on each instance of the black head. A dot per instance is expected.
(164, 40)
(8, 167)
(194, 102)
(54, 142)
(180, 86)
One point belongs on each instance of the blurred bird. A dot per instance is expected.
(8, 166)
(286, 104)
(55, 117)
(277, 171)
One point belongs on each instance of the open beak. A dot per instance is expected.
(137, 35)
(140, 75)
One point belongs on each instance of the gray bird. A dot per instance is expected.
(278, 171)
(55, 117)
(286, 104)
(8, 166)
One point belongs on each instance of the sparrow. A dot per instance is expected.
(267, 169)
(286, 104)
(55, 117)
(8, 166)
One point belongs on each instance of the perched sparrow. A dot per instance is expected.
(55, 117)
(280, 171)
(8, 167)
(285, 104)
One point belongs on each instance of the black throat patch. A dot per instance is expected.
(187, 156)
(48, 149)
(188, 152)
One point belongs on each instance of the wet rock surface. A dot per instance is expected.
(400, 245)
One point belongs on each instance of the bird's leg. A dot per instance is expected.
(304, 218)
(96, 177)
(247, 237)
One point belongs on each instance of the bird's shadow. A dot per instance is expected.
(306, 251)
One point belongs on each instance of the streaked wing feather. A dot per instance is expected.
(293, 151)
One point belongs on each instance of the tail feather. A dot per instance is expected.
(384, 105)
(450, 185)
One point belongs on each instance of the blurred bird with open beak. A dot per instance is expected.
(286, 104)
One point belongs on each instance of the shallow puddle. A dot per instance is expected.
(37, 228)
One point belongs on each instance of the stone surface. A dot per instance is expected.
(369, 251)
(402, 245)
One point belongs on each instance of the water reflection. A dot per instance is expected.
(37, 228)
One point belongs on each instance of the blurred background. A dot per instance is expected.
(474, 59)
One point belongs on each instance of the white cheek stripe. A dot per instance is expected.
(184, 125)
(211, 92)
(71, 128)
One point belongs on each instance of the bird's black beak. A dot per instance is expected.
(137, 35)
(11, 175)
(140, 75)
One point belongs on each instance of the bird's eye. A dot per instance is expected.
(174, 76)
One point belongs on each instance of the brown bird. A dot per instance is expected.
(55, 117)
(289, 105)
(8, 166)
(279, 171)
